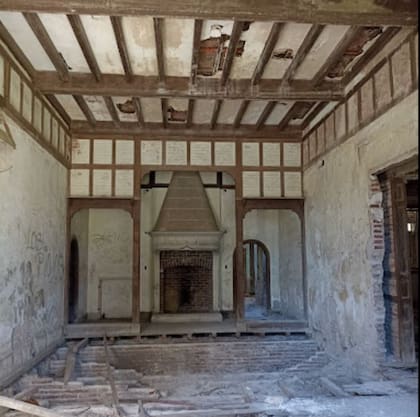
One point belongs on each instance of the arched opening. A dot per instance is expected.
(257, 275)
(73, 280)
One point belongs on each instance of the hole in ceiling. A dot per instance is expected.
(127, 107)
(301, 110)
(176, 115)
(284, 53)
(246, 26)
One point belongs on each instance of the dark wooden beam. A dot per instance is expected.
(139, 111)
(122, 46)
(240, 114)
(86, 110)
(82, 39)
(44, 39)
(48, 82)
(265, 113)
(164, 105)
(374, 49)
(198, 27)
(112, 110)
(157, 25)
(230, 54)
(190, 112)
(338, 52)
(270, 43)
(288, 116)
(215, 115)
(156, 131)
(303, 50)
(372, 12)
(59, 108)
(15, 50)
(313, 113)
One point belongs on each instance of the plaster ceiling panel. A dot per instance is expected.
(19, 29)
(254, 38)
(291, 37)
(61, 33)
(177, 110)
(152, 110)
(102, 39)
(278, 112)
(140, 39)
(203, 110)
(228, 111)
(98, 108)
(70, 106)
(125, 109)
(320, 51)
(177, 38)
(253, 112)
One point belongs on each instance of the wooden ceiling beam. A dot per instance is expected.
(270, 43)
(215, 115)
(149, 86)
(112, 110)
(44, 39)
(16, 50)
(157, 26)
(313, 113)
(288, 116)
(85, 46)
(198, 27)
(190, 112)
(372, 12)
(265, 114)
(337, 53)
(164, 106)
(231, 51)
(139, 111)
(156, 131)
(116, 22)
(240, 114)
(301, 53)
(59, 108)
(91, 121)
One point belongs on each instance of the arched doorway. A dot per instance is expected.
(73, 280)
(257, 275)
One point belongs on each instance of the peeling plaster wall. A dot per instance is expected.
(342, 309)
(280, 231)
(33, 191)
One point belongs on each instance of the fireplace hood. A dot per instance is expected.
(186, 220)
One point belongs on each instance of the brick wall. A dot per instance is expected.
(186, 281)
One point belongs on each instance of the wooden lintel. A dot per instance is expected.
(155, 130)
(48, 82)
(367, 12)
(296, 205)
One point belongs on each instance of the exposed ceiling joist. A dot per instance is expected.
(198, 27)
(215, 115)
(122, 46)
(265, 114)
(157, 25)
(363, 12)
(190, 112)
(112, 111)
(240, 114)
(164, 106)
(59, 108)
(230, 54)
(85, 109)
(117, 85)
(139, 111)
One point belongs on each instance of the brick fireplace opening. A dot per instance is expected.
(186, 281)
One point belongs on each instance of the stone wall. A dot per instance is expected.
(32, 252)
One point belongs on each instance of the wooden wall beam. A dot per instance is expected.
(325, 12)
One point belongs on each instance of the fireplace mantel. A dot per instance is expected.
(186, 240)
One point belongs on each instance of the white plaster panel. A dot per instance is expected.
(61, 33)
(250, 154)
(102, 39)
(102, 151)
(124, 152)
(152, 109)
(21, 32)
(203, 110)
(271, 184)
(271, 154)
(253, 112)
(124, 182)
(80, 151)
(27, 102)
(46, 124)
(1, 76)
(228, 111)
(101, 182)
(54, 133)
(292, 154)
(15, 87)
(200, 153)
(140, 39)
(37, 114)
(251, 184)
(176, 152)
(70, 106)
(291, 37)
(79, 182)
(292, 184)
(98, 108)
(151, 152)
(177, 38)
(61, 140)
(224, 153)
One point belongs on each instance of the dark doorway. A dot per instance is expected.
(257, 275)
(73, 280)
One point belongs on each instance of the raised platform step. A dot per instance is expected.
(214, 317)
